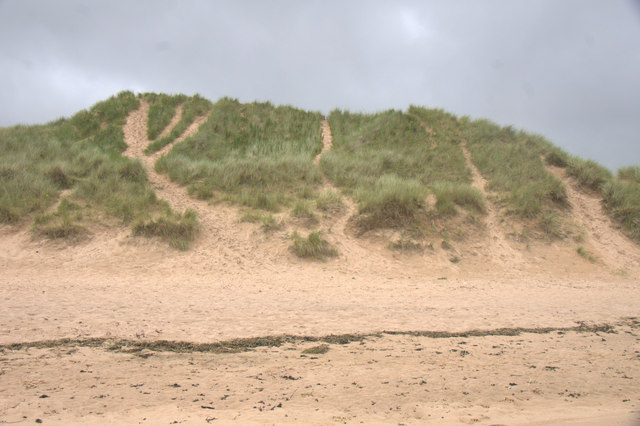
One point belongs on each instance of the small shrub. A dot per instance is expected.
(314, 246)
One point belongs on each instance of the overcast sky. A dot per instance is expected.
(569, 70)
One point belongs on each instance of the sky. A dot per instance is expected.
(568, 70)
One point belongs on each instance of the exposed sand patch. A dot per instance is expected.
(177, 116)
(500, 250)
(603, 237)
(555, 378)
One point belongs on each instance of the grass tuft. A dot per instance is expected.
(589, 173)
(313, 247)
(329, 201)
(584, 253)
(392, 203)
(630, 174)
(178, 229)
(622, 201)
(270, 223)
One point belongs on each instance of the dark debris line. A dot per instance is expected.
(247, 344)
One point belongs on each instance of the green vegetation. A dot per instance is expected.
(178, 229)
(192, 108)
(82, 154)
(622, 201)
(584, 253)
(506, 160)
(255, 154)
(621, 194)
(366, 147)
(390, 161)
(450, 194)
(630, 174)
(392, 203)
(62, 224)
(261, 156)
(329, 201)
(269, 223)
(588, 173)
(314, 246)
(302, 209)
(162, 109)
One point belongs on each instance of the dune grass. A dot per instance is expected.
(192, 108)
(256, 155)
(390, 161)
(449, 194)
(162, 109)
(622, 201)
(514, 169)
(261, 156)
(82, 154)
(621, 193)
(314, 246)
(630, 174)
(178, 229)
(329, 201)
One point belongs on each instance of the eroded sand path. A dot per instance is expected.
(500, 251)
(219, 231)
(603, 237)
(348, 245)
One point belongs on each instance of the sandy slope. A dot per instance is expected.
(238, 282)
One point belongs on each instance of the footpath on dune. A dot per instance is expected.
(498, 248)
(218, 234)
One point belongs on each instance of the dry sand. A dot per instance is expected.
(237, 282)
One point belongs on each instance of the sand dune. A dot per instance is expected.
(237, 282)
